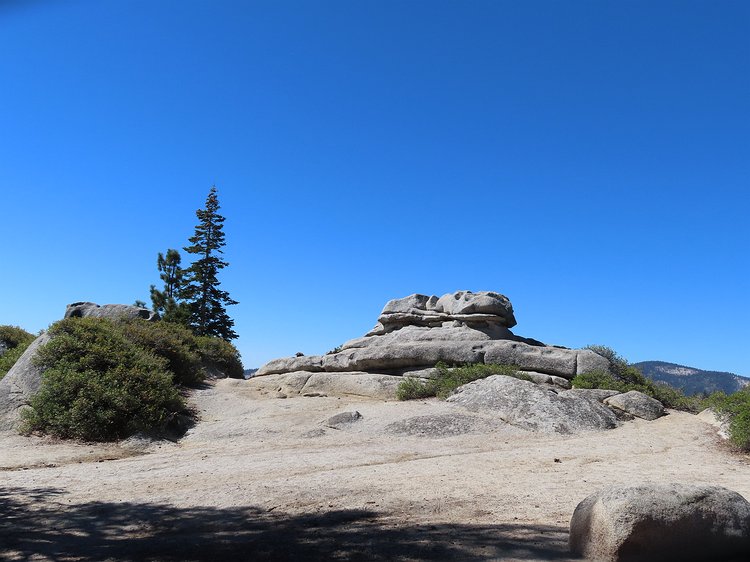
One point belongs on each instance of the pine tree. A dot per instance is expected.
(168, 301)
(200, 286)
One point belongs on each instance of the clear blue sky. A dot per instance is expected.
(589, 159)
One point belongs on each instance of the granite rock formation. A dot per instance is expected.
(90, 309)
(416, 332)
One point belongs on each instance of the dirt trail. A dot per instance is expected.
(264, 477)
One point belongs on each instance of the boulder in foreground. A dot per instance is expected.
(662, 522)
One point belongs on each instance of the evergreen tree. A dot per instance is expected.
(167, 302)
(200, 285)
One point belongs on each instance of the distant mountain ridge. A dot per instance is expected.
(691, 380)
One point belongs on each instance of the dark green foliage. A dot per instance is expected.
(9, 358)
(15, 340)
(737, 407)
(449, 379)
(625, 377)
(107, 379)
(100, 385)
(13, 336)
(217, 353)
(172, 342)
(168, 302)
(200, 290)
(415, 389)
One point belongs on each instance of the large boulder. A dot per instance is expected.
(483, 308)
(529, 406)
(417, 331)
(20, 383)
(636, 404)
(90, 309)
(662, 522)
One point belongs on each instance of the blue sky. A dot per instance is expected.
(588, 159)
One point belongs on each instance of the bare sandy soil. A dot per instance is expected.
(264, 478)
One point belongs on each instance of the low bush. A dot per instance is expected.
(13, 336)
(415, 389)
(100, 385)
(448, 379)
(173, 342)
(106, 379)
(624, 377)
(736, 407)
(220, 354)
(15, 340)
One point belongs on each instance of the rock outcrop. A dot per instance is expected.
(90, 309)
(529, 406)
(662, 522)
(636, 404)
(416, 332)
(20, 383)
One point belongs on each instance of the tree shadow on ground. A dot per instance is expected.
(39, 524)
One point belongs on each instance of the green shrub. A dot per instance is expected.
(9, 358)
(597, 379)
(173, 342)
(13, 336)
(220, 354)
(414, 389)
(625, 377)
(100, 385)
(448, 379)
(737, 407)
(16, 341)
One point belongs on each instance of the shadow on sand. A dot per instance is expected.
(37, 524)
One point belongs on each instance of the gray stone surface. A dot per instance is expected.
(596, 394)
(443, 425)
(20, 384)
(484, 307)
(551, 380)
(398, 355)
(90, 309)
(353, 383)
(529, 406)
(484, 302)
(637, 404)
(343, 419)
(662, 522)
(369, 385)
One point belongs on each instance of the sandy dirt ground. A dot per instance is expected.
(263, 478)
